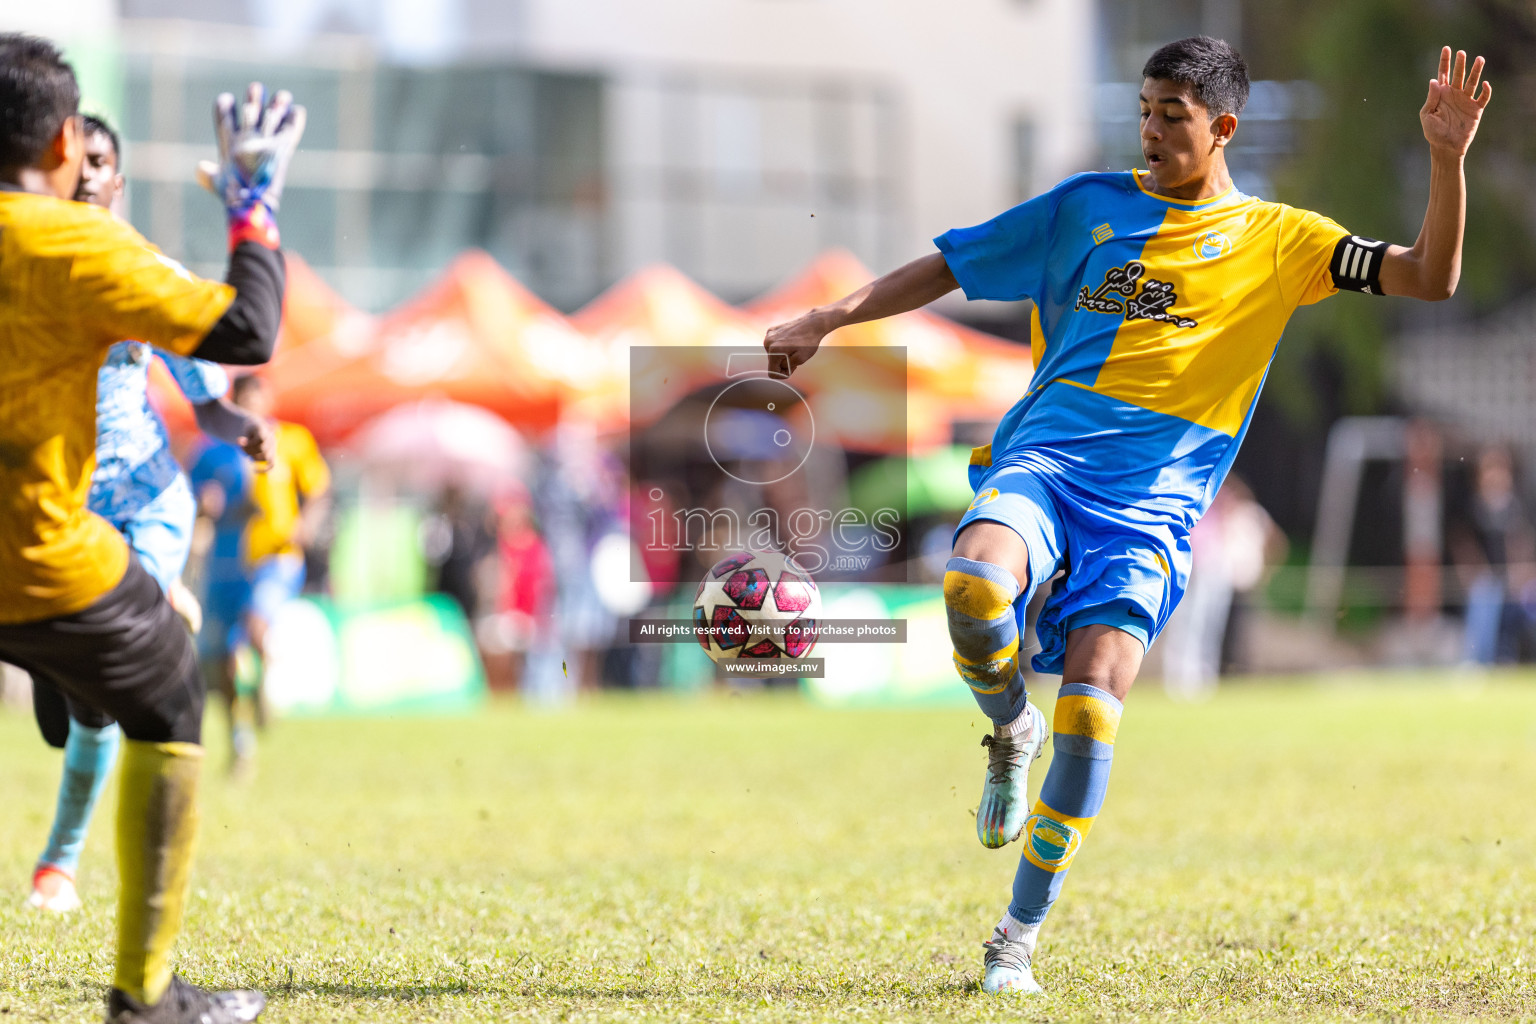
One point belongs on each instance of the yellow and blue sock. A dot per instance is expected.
(88, 757)
(979, 599)
(157, 818)
(1084, 737)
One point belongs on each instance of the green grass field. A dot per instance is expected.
(1317, 851)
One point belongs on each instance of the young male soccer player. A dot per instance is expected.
(256, 566)
(77, 610)
(138, 488)
(1159, 298)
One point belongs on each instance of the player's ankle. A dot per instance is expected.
(1020, 726)
(1015, 930)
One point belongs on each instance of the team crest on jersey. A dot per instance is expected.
(982, 497)
(1153, 301)
(1211, 245)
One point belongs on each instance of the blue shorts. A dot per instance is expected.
(260, 591)
(275, 581)
(1119, 572)
(160, 533)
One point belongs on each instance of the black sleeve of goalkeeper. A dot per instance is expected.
(247, 332)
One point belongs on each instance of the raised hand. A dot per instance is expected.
(1455, 103)
(256, 141)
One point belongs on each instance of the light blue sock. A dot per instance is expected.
(88, 758)
(1087, 719)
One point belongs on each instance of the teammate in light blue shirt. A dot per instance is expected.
(139, 488)
(138, 485)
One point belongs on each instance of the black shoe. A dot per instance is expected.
(187, 1004)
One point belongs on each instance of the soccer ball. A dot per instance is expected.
(756, 604)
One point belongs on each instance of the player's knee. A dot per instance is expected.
(982, 591)
(978, 599)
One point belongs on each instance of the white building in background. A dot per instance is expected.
(578, 140)
(734, 120)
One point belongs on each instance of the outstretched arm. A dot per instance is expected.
(1450, 116)
(905, 288)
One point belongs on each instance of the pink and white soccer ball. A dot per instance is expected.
(756, 604)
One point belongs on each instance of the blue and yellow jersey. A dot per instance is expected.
(1154, 325)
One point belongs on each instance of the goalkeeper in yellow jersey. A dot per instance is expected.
(77, 610)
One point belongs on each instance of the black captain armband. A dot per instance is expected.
(1356, 265)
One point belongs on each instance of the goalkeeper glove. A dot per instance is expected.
(256, 141)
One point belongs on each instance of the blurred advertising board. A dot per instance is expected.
(400, 657)
(917, 672)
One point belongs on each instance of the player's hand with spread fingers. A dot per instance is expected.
(257, 139)
(1457, 98)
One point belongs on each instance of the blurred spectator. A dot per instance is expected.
(1233, 545)
(579, 499)
(1494, 555)
(457, 539)
(525, 604)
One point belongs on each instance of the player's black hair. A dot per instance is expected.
(1216, 70)
(38, 93)
(98, 126)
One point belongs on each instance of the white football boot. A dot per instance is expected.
(1005, 793)
(1008, 964)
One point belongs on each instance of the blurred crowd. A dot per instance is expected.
(1493, 548)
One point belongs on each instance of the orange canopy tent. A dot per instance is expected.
(661, 307)
(655, 307)
(953, 372)
(475, 336)
(311, 311)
